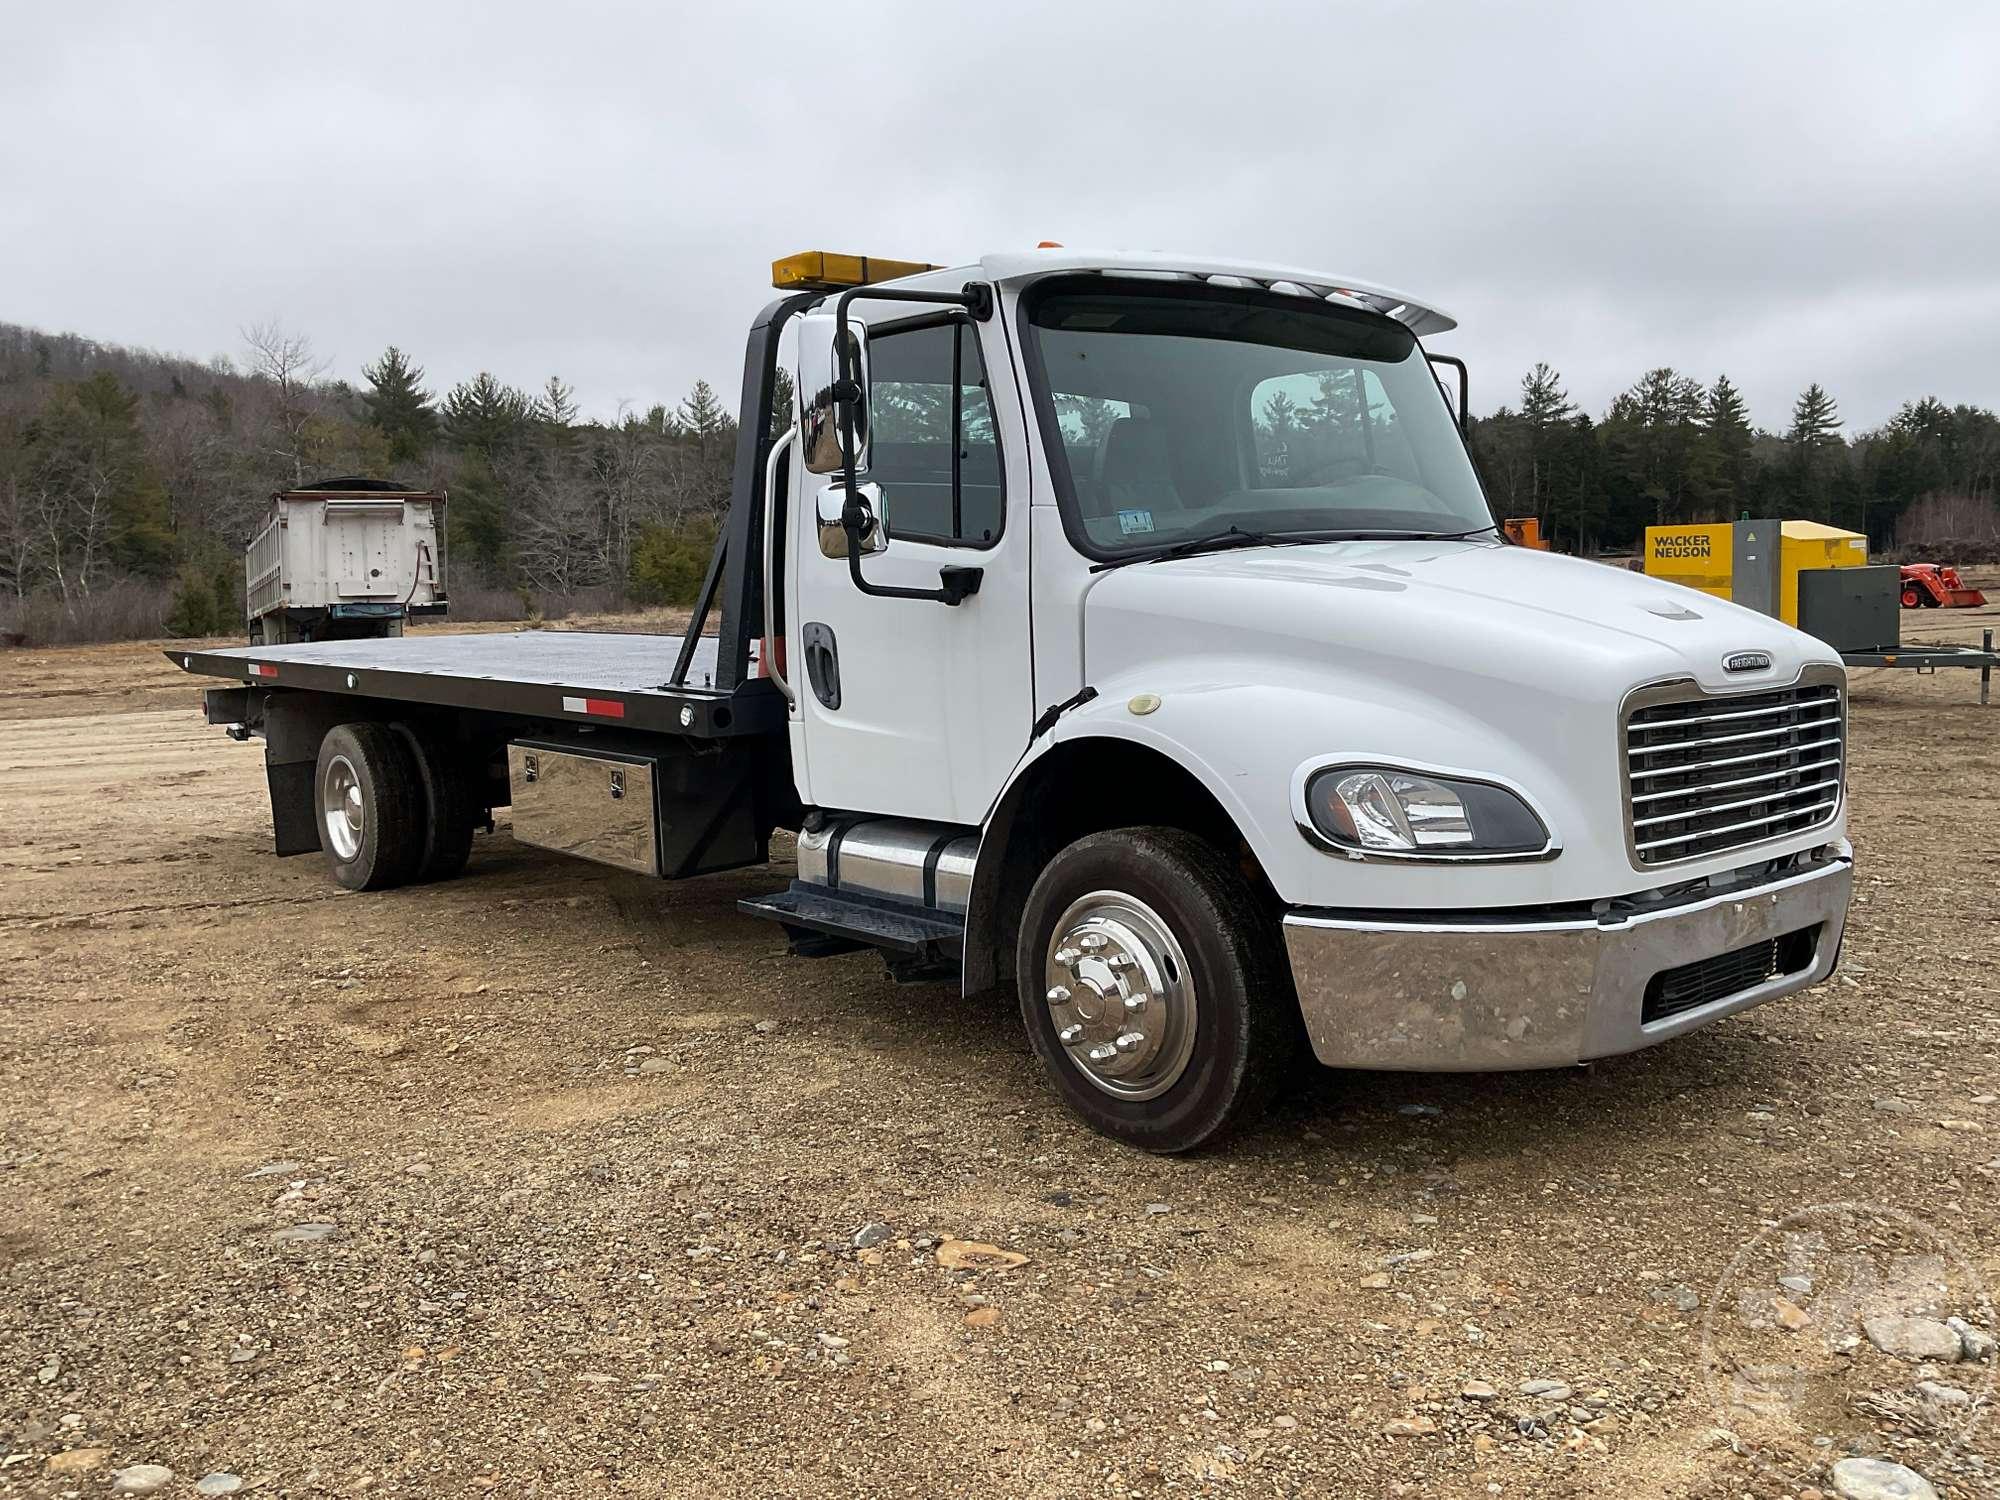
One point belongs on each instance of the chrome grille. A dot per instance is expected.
(1707, 774)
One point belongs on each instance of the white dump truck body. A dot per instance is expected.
(329, 555)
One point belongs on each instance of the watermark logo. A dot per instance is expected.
(1848, 1328)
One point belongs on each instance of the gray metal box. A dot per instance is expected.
(1852, 609)
(598, 806)
(1754, 565)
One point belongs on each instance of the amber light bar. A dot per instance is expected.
(823, 271)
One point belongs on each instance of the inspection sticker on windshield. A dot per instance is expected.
(1131, 521)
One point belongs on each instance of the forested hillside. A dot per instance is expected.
(1671, 449)
(129, 480)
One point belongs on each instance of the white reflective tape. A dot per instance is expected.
(574, 706)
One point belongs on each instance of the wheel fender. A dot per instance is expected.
(1247, 733)
(1118, 713)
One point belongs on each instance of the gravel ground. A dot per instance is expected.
(549, 1181)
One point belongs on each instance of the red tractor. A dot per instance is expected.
(1936, 586)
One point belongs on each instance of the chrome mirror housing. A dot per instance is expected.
(831, 378)
(830, 507)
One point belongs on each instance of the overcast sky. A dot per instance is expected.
(1780, 192)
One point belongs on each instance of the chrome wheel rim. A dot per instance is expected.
(1121, 995)
(340, 808)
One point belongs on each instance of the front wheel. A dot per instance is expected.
(1154, 987)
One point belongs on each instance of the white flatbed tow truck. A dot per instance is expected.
(1131, 632)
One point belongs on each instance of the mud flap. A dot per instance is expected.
(293, 725)
(294, 827)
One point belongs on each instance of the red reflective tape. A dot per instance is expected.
(603, 708)
(262, 669)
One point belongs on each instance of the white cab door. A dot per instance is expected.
(907, 706)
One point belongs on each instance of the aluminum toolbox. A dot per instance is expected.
(598, 805)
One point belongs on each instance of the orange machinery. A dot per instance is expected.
(1937, 586)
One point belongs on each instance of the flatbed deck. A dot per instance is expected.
(590, 677)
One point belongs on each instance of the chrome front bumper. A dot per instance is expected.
(1489, 994)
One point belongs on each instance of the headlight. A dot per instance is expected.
(1380, 810)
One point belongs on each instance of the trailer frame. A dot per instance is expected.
(1929, 658)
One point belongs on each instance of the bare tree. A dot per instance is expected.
(286, 360)
(559, 537)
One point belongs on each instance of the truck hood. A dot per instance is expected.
(1556, 625)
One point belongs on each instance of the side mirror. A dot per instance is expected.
(832, 381)
(830, 510)
(1461, 409)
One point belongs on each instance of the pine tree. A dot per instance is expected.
(702, 418)
(1815, 417)
(1652, 435)
(1545, 409)
(485, 415)
(398, 405)
(1725, 421)
(556, 406)
(1814, 434)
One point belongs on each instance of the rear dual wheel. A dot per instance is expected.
(1154, 988)
(393, 807)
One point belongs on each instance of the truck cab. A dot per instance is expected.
(1243, 639)
(1130, 634)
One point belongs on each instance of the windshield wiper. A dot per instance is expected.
(1226, 540)
(1231, 538)
(1402, 536)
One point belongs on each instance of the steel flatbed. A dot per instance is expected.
(585, 677)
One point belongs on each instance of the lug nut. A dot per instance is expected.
(1102, 1053)
(1059, 995)
(1071, 1034)
(1091, 942)
(1135, 1003)
(1067, 957)
(1131, 1041)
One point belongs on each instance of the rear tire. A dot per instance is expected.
(449, 812)
(370, 802)
(1166, 918)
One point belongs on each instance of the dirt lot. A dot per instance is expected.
(547, 1181)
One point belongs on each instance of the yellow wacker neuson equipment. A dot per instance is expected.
(1815, 578)
(1753, 563)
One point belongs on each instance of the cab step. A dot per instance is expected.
(823, 922)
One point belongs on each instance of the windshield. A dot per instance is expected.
(1189, 411)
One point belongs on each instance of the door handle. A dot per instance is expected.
(822, 663)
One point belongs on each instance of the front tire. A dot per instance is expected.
(1154, 988)
(370, 801)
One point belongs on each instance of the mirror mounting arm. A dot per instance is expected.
(957, 584)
